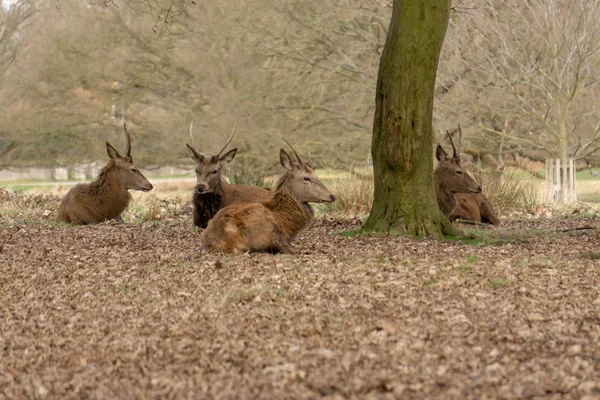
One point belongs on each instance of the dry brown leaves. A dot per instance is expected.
(138, 311)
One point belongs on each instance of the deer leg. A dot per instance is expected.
(488, 215)
(283, 246)
(458, 213)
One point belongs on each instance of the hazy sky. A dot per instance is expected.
(7, 3)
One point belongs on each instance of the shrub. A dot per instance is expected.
(354, 193)
(511, 190)
(246, 172)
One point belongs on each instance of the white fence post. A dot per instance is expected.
(560, 182)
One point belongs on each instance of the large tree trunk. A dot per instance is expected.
(402, 147)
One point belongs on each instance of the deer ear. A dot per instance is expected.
(440, 153)
(113, 154)
(194, 154)
(286, 160)
(228, 157)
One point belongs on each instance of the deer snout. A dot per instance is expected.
(148, 187)
(201, 188)
(478, 190)
(331, 199)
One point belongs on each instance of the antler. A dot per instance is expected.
(454, 152)
(296, 154)
(229, 140)
(459, 141)
(128, 141)
(191, 135)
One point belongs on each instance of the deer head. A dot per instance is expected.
(301, 179)
(208, 167)
(449, 175)
(127, 172)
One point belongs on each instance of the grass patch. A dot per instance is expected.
(262, 293)
(592, 174)
(330, 318)
(429, 282)
(476, 238)
(352, 233)
(354, 192)
(472, 259)
(464, 269)
(245, 171)
(589, 197)
(515, 190)
(500, 283)
(591, 255)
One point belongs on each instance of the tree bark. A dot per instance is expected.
(402, 147)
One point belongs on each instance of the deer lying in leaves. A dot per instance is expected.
(273, 224)
(458, 195)
(211, 192)
(106, 197)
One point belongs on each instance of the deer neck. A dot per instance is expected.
(445, 198)
(108, 193)
(290, 215)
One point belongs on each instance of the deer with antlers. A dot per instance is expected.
(270, 225)
(458, 195)
(211, 192)
(106, 197)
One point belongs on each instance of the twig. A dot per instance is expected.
(579, 228)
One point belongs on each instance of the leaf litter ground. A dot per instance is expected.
(138, 311)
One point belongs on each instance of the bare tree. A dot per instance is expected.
(537, 64)
(12, 19)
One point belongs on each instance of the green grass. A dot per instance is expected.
(589, 197)
(476, 238)
(353, 233)
(464, 269)
(429, 282)
(19, 187)
(585, 175)
(591, 255)
(500, 283)
(472, 259)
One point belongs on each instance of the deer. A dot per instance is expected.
(458, 194)
(108, 195)
(211, 192)
(272, 225)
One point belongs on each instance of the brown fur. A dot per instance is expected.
(106, 197)
(270, 225)
(211, 193)
(458, 195)
(97, 201)
(474, 207)
(207, 204)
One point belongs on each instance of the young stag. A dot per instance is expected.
(458, 195)
(211, 192)
(106, 197)
(273, 224)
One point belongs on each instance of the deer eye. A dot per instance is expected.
(459, 172)
(306, 179)
(134, 170)
(215, 171)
